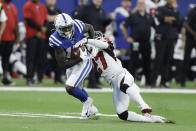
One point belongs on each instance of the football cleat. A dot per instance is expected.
(91, 113)
(89, 110)
(86, 107)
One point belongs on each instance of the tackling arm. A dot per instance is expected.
(90, 30)
(98, 43)
(60, 56)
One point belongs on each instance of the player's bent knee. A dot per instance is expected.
(69, 89)
(123, 87)
(123, 115)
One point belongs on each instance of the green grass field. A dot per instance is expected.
(178, 107)
(50, 83)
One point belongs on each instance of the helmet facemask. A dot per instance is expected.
(66, 31)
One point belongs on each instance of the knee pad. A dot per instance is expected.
(69, 89)
(123, 115)
(123, 86)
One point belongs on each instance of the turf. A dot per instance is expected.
(50, 83)
(179, 107)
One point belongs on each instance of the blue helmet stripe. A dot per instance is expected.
(64, 18)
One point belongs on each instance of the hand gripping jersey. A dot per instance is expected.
(56, 41)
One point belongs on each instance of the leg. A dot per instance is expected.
(121, 103)
(128, 87)
(75, 77)
(30, 58)
(55, 66)
(168, 57)
(158, 63)
(5, 62)
(134, 61)
(146, 52)
(5, 57)
(41, 54)
(188, 48)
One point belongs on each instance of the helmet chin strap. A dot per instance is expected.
(67, 36)
(71, 35)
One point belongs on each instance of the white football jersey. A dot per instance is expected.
(107, 65)
(151, 7)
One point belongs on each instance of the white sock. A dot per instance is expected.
(132, 116)
(134, 94)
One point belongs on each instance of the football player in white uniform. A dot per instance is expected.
(111, 69)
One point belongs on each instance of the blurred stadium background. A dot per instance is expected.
(109, 7)
(44, 110)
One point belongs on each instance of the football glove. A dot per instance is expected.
(84, 55)
(81, 42)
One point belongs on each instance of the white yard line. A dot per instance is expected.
(51, 115)
(99, 114)
(62, 89)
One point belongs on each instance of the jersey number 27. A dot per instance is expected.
(103, 61)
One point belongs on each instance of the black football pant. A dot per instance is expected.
(145, 62)
(35, 57)
(54, 64)
(5, 52)
(190, 44)
(163, 60)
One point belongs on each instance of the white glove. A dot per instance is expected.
(81, 42)
(92, 50)
(156, 119)
(84, 55)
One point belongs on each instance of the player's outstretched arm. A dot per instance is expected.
(98, 43)
(61, 59)
(90, 30)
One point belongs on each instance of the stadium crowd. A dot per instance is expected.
(154, 41)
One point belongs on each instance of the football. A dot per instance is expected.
(75, 53)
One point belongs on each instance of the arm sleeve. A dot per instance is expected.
(128, 21)
(160, 16)
(32, 24)
(28, 18)
(54, 42)
(46, 14)
(3, 16)
(98, 43)
(179, 21)
(189, 16)
(46, 17)
(46, 23)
